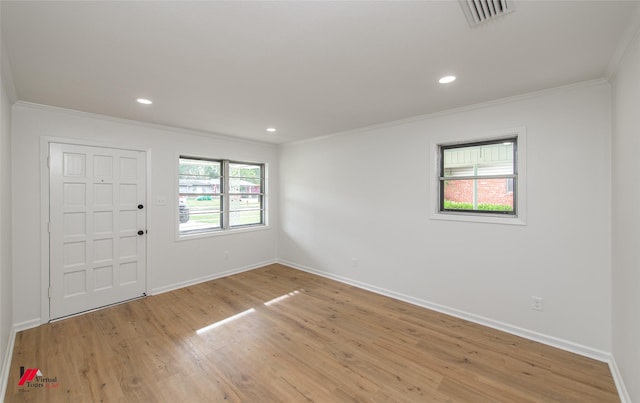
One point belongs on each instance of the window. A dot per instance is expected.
(479, 177)
(245, 194)
(216, 195)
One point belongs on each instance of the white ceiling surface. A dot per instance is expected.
(307, 68)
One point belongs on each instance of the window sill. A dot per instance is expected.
(478, 217)
(235, 231)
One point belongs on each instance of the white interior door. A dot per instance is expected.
(97, 227)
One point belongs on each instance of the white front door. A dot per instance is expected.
(97, 227)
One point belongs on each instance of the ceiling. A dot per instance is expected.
(307, 68)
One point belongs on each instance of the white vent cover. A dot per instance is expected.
(479, 11)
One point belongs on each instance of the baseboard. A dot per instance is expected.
(6, 364)
(481, 320)
(8, 356)
(29, 324)
(617, 378)
(182, 284)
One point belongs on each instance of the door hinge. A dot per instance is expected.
(49, 226)
(49, 292)
(48, 162)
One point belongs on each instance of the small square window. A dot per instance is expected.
(479, 177)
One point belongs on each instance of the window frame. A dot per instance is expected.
(442, 178)
(225, 195)
(458, 138)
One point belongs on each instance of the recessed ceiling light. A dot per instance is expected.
(144, 101)
(447, 79)
(271, 129)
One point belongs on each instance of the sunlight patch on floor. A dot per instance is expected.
(282, 298)
(223, 321)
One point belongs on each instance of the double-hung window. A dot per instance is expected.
(479, 177)
(218, 195)
(246, 194)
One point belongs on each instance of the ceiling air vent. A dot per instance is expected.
(479, 11)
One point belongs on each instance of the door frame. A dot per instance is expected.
(45, 316)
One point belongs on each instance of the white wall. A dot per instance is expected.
(626, 219)
(366, 195)
(170, 263)
(6, 297)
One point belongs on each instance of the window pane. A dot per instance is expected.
(199, 176)
(479, 160)
(245, 217)
(490, 195)
(245, 178)
(245, 202)
(203, 214)
(245, 185)
(245, 209)
(242, 170)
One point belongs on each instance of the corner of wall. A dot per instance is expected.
(628, 38)
(7, 74)
(7, 330)
(625, 328)
(617, 378)
(6, 363)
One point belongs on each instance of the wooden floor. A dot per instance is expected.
(276, 334)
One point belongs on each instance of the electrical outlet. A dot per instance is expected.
(536, 303)
(161, 201)
(226, 255)
(354, 262)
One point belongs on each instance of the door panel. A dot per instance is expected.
(97, 257)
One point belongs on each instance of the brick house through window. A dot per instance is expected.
(498, 192)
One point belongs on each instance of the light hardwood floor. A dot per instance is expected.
(276, 334)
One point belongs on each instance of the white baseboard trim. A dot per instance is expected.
(29, 324)
(182, 284)
(481, 320)
(8, 353)
(6, 364)
(623, 394)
